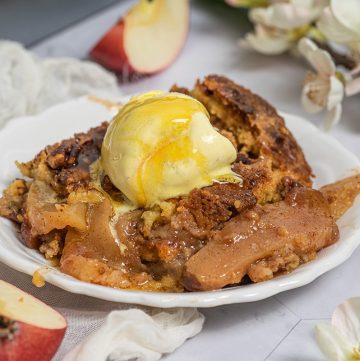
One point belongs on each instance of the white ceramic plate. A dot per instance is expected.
(23, 137)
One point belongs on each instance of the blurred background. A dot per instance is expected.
(70, 28)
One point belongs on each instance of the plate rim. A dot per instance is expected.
(237, 294)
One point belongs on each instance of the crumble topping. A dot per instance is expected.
(186, 242)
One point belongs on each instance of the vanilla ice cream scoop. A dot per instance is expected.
(162, 145)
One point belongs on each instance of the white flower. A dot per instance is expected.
(340, 22)
(322, 90)
(280, 25)
(287, 15)
(340, 339)
(266, 40)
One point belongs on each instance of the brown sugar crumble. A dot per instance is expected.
(216, 236)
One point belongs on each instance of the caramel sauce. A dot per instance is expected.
(38, 279)
(295, 227)
(111, 105)
(162, 145)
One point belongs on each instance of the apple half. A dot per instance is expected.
(147, 39)
(29, 329)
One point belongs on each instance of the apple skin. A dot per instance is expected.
(112, 53)
(31, 343)
(30, 330)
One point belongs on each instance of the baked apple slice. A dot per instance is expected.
(29, 329)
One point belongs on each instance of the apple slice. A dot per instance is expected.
(147, 39)
(29, 329)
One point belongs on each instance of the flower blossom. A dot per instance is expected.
(340, 22)
(281, 24)
(268, 41)
(340, 339)
(322, 89)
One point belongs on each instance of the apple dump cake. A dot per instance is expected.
(187, 190)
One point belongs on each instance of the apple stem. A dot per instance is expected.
(8, 328)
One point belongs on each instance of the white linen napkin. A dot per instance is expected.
(29, 85)
(139, 335)
(101, 327)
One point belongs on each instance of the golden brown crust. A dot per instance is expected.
(267, 151)
(57, 211)
(341, 195)
(212, 206)
(245, 109)
(65, 165)
(12, 202)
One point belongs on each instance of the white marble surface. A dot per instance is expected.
(280, 328)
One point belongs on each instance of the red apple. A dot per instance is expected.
(29, 329)
(147, 39)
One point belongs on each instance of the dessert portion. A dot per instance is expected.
(267, 151)
(266, 239)
(161, 146)
(188, 190)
